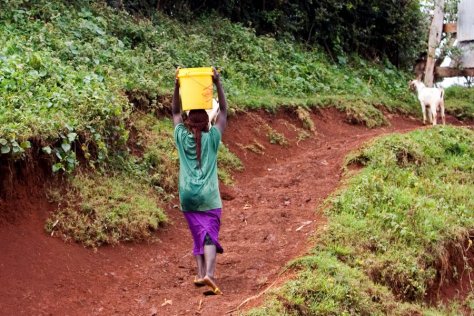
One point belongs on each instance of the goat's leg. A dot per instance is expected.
(441, 105)
(429, 114)
(434, 114)
(423, 110)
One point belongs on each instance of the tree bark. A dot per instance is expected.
(436, 30)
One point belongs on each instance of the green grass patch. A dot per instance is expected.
(459, 101)
(389, 228)
(105, 209)
(153, 158)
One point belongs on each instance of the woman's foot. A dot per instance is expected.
(214, 290)
(199, 281)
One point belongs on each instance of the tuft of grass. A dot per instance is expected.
(255, 147)
(227, 163)
(105, 209)
(158, 161)
(275, 137)
(120, 205)
(391, 228)
(305, 118)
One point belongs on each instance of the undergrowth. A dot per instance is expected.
(121, 203)
(389, 228)
(105, 209)
(70, 67)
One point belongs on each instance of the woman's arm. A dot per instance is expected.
(222, 118)
(176, 105)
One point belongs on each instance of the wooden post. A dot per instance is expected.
(436, 30)
(444, 72)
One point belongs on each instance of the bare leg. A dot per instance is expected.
(210, 253)
(201, 266)
(210, 258)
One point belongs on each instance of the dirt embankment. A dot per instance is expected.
(267, 219)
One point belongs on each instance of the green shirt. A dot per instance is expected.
(198, 187)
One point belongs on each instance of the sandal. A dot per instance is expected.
(198, 281)
(214, 289)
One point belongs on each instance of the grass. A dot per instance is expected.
(459, 101)
(105, 209)
(275, 137)
(390, 227)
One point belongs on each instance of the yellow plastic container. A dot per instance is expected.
(195, 88)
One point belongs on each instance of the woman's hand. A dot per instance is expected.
(176, 79)
(216, 77)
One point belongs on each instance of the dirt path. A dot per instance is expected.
(268, 216)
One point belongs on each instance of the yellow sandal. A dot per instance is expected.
(214, 289)
(199, 281)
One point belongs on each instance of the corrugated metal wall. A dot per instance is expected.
(465, 30)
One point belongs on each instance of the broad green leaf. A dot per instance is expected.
(17, 149)
(3, 141)
(25, 144)
(5, 149)
(47, 150)
(66, 147)
(71, 137)
(58, 166)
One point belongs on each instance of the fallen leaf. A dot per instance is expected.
(167, 302)
(303, 225)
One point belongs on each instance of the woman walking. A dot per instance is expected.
(199, 196)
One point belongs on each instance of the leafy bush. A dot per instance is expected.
(371, 28)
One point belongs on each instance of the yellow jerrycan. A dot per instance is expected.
(195, 88)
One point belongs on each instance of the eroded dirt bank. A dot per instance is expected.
(268, 216)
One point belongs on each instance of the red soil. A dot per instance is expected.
(268, 217)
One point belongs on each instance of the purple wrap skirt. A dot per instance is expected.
(202, 223)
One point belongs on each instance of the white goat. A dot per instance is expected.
(430, 100)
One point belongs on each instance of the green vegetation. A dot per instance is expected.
(390, 229)
(121, 203)
(459, 101)
(372, 28)
(105, 209)
(69, 71)
(275, 137)
(67, 68)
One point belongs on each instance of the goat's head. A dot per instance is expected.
(412, 85)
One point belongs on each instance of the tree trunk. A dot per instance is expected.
(436, 30)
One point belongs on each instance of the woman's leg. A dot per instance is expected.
(210, 253)
(201, 266)
(210, 259)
